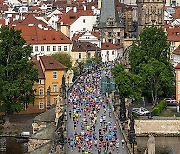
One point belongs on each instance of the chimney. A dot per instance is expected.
(85, 8)
(69, 2)
(74, 9)
(99, 4)
(40, 26)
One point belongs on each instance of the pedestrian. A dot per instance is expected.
(123, 143)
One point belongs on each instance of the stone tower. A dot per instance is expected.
(110, 24)
(150, 12)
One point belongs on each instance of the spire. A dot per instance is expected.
(109, 10)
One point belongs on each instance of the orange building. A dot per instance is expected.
(50, 73)
(177, 70)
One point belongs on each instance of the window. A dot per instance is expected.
(79, 55)
(42, 48)
(110, 40)
(48, 48)
(41, 105)
(54, 48)
(54, 100)
(107, 52)
(84, 20)
(54, 75)
(112, 52)
(65, 48)
(59, 48)
(54, 87)
(41, 92)
(84, 29)
(89, 55)
(109, 34)
(36, 48)
(41, 81)
(118, 33)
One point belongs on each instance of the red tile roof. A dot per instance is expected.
(29, 19)
(78, 35)
(2, 22)
(39, 68)
(84, 46)
(110, 46)
(173, 34)
(177, 66)
(70, 17)
(177, 51)
(35, 35)
(50, 63)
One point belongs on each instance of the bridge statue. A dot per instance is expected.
(69, 77)
(151, 145)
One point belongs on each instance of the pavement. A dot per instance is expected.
(93, 150)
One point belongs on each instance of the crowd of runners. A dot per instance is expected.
(93, 131)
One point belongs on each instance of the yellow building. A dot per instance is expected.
(50, 73)
(81, 51)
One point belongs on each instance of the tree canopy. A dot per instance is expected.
(152, 43)
(17, 74)
(150, 58)
(64, 58)
(128, 84)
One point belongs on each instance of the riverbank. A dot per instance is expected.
(158, 127)
(164, 145)
(18, 124)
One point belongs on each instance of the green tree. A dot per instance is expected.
(157, 79)
(151, 50)
(152, 43)
(17, 74)
(128, 83)
(64, 58)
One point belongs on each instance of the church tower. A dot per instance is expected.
(109, 23)
(150, 12)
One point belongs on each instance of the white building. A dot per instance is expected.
(76, 21)
(92, 37)
(110, 52)
(45, 41)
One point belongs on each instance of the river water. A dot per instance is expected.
(164, 145)
(14, 147)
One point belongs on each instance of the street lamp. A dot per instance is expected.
(131, 132)
(48, 97)
(122, 110)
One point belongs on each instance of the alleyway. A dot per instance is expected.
(91, 126)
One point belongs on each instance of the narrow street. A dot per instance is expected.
(91, 127)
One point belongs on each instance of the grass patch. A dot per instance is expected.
(169, 113)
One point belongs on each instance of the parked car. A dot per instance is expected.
(171, 101)
(141, 111)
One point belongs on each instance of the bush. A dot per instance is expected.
(159, 107)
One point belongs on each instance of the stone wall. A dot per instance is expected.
(159, 127)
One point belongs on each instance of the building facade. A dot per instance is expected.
(150, 12)
(50, 73)
(110, 24)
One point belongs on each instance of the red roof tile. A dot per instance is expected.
(29, 19)
(110, 46)
(35, 35)
(50, 63)
(39, 68)
(173, 34)
(177, 51)
(177, 66)
(70, 17)
(84, 46)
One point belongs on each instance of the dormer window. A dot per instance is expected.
(72, 17)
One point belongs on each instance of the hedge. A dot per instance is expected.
(159, 108)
